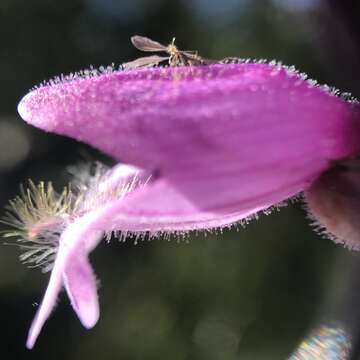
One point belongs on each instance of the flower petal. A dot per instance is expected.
(180, 203)
(226, 115)
(47, 303)
(75, 240)
(225, 141)
(80, 284)
(71, 266)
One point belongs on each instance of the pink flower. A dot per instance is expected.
(205, 147)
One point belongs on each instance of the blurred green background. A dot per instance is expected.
(248, 294)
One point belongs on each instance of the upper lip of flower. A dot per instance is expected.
(227, 140)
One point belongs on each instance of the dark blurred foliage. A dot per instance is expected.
(248, 294)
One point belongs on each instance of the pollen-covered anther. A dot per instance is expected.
(333, 202)
(35, 219)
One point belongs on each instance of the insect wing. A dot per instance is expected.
(144, 62)
(145, 44)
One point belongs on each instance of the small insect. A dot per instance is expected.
(175, 56)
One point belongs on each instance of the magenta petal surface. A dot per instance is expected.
(48, 302)
(161, 206)
(222, 142)
(80, 285)
(75, 243)
(224, 115)
(225, 140)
